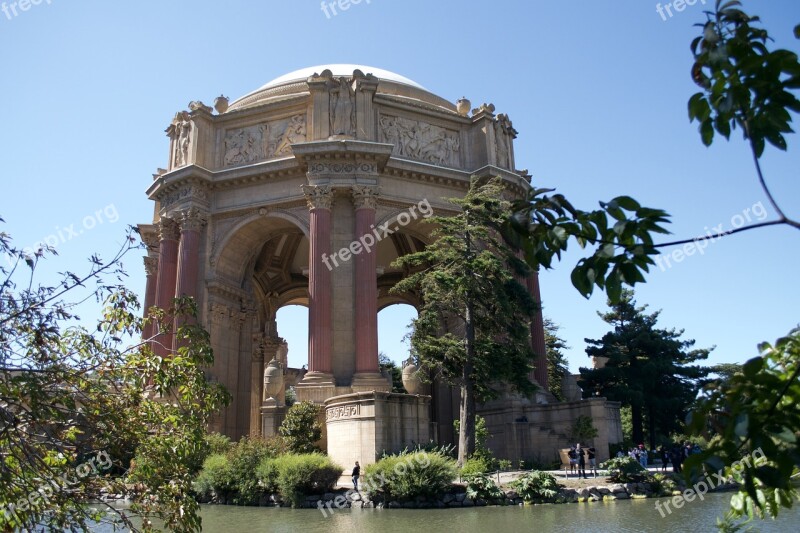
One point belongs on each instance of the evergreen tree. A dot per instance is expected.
(648, 369)
(473, 327)
(557, 367)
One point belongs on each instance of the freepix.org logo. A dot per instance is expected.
(13, 9)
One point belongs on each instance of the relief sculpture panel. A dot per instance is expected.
(414, 139)
(263, 141)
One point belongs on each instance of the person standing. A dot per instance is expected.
(664, 458)
(356, 474)
(581, 454)
(592, 453)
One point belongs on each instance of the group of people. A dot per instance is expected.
(676, 455)
(577, 460)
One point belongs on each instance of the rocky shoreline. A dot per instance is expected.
(344, 498)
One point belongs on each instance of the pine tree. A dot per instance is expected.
(648, 369)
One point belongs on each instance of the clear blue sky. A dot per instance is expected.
(597, 90)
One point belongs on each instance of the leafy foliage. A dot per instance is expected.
(394, 371)
(301, 429)
(536, 486)
(583, 430)
(754, 415)
(475, 466)
(406, 476)
(620, 233)
(68, 394)
(297, 476)
(243, 457)
(483, 487)
(625, 469)
(744, 84)
(215, 478)
(473, 327)
(648, 369)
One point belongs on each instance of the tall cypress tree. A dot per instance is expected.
(649, 369)
(472, 330)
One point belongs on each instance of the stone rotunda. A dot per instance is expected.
(304, 192)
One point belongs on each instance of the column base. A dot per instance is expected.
(370, 381)
(315, 387)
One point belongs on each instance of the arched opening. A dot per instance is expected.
(394, 323)
(293, 328)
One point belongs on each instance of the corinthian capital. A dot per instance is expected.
(365, 196)
(150, 266)
(318, 196)
(168, 229)
(192, 219)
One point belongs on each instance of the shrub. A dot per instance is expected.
(218, 443)
(504, 465)
(244, 456)
(409, 475)
(536, 486)
(664, 483)
(216, 478)
(483, 487)
(624, 470)
(301, 428)
(475, 466)
(297, 476)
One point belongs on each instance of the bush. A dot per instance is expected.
(216, 478)
(301, 428)
(245, 456)
(409, 475)
(297, 476)
(483, 487)
(218, 443)
(624, 470)
(504, 465)
(536, 486)
(475, 466)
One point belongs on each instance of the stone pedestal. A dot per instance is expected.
(272, 416)
(361, 426)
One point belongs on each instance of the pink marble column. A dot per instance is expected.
(151, 271)
(366, 283)
(537, 333)
(167, 275)
(191, 223)
(320, 314)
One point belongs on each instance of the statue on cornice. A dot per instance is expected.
(342, 97)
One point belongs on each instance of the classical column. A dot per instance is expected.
(191, 223)
(167, 275)
(320, 314)
(151, 272)
(537, 333)
(367, 376)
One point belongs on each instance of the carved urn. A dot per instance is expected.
(411, 379)
(273, 379)
(221, 104)
(463, 106)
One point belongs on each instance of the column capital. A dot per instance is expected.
(192, 219)
(365, 196)
(318, 196)
(150, 265)
(168, 229)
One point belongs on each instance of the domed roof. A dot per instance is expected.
(295, 83)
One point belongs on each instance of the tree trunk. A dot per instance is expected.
(651, 427)
(466, 434)
(636, 421)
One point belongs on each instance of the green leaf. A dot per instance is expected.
(707, 132)
(797, 31)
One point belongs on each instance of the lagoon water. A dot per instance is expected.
(615, 516)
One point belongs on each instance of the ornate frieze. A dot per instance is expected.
(318, 196)
(365, 196)
(414, 139)
(342, 167)
(263, 141)
(190, 192)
